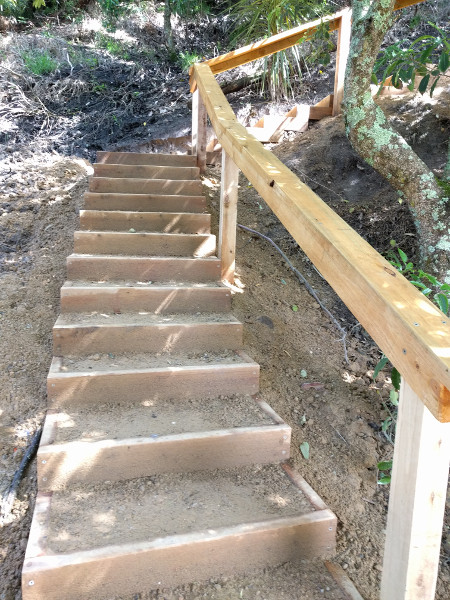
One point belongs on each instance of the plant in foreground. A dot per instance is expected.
(39, 62)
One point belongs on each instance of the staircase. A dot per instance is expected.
(158, 464)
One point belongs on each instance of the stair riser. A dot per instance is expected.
(133, 158)
(199, 337)
(144, 244)
(157, 301)
(128, 569)
(113, 460)
(142, 269)
(145, 172)
(144, 202)
(158, 222)
(145, 186)
(204, 382)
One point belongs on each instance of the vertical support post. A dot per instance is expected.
(228, 218)
(199, 130)
(417, 502)
(343, 49)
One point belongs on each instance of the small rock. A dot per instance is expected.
(96, 357)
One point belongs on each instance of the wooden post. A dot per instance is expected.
(417, 502)
(228, 217)
(343, 48)
(199, 130)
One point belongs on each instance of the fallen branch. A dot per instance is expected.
(240, 84)
(310, 289)
(11, 494)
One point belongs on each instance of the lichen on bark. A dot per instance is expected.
(382, 147)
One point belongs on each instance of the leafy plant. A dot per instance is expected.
(187, 59)
(440, 293)
(428, 57)
(39, 62)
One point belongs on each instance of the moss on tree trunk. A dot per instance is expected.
(382, 147)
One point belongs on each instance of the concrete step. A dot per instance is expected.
(145, 171)
(81, 334)
(144, 244)
(107, 442)
(144, 378)
(140, 158)
(121, 538)
(165, 222)
(145, 202)
(138, 268)
(149, 297)
(123, 185)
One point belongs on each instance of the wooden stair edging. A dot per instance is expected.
(105, 359)
(166, 562)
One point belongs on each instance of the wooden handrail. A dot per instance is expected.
(408, 328)
(281, 41)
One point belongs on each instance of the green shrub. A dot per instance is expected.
(39, 62)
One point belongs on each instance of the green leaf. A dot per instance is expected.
(444, 62)
(294, 307)
(393, 397)
(442, 301)
(433, 87)
(304, 449)
(403, 256)
(380, 365)
(386, 480)
(385, 465)
(424, 84)
(374, 79)
(386, 424)
(395, 378)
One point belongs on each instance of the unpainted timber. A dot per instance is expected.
(145, 171)
(144, 202)
(416, 340)
(81, 339)
(121, 185)
(167, 562)
(88, 387)
(144, 244)
(138, 268)
(143, 158)
(60, 465)
(164, 222)
(154, 299)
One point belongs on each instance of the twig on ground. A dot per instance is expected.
(11, 494)
(310, 289)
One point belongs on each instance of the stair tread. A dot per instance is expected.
(151, 419)
(151, 285)
(140, 319)
(110, 363)
(165, 505)
(143, 158)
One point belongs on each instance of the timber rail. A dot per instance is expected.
(408, 328)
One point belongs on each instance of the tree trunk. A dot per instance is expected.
(382, 147)
(168, 27)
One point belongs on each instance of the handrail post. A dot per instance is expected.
(199, 130)
(343, 48)
(228, 218)
(417, 502)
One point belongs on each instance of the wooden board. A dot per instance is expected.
(144, 244)
(65, 389)
(155, 299)
(416, 502)
(228, 218)
(137, 268)
(167, 562)
(145, 171)
(417, 337)
(145, 186)
(127, 336)
(144, 202)
(60, 465)
(122, 220)
(143, 158)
